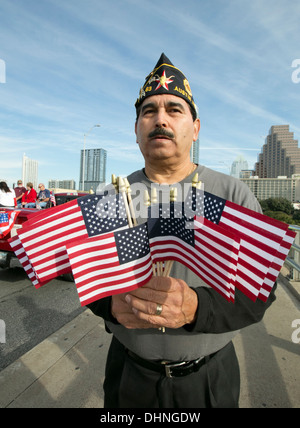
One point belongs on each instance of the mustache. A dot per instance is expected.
(161, 131)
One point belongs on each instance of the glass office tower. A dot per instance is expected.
(94, 169)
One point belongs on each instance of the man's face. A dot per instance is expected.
(165, 128)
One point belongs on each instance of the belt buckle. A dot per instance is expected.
(169, 367)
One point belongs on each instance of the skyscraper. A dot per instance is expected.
(30, 171)
(194, 152)
(280, 155)
(94, 169)
(238, 165)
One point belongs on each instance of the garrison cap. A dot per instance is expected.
(166, 79)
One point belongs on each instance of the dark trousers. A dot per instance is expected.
(128, 385)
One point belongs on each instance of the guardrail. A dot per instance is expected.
(292, 262)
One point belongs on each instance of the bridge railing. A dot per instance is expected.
(292, 261)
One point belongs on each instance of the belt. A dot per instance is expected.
(169, 369)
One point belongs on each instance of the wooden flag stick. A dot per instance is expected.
(114, 182)
(173, 194)
(168, 267)
(122, 190)
(195, 180)
(169, 263)
(159, 268)
(196, 183)
(147, 204)
(158, 265)
(153, 195)
(130, 203)
(146, 198)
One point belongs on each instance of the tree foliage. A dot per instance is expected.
(281, 209)
(278, 204)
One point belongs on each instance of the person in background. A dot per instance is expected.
(19, 191)
(43, 196)
(29, 198)
(7, 197)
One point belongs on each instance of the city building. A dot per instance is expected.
(62, 184)
(246, 173)
(194, 152)
(237, 166)
(280, 155)
(92, 169)
(264, 188)
(30, 171)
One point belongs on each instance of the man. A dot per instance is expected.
(43, 196)
(19, 191)
(191, 362)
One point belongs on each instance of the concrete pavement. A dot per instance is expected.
(67, 369)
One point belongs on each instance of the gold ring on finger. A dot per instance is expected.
(158, 309)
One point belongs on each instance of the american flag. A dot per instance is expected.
(111, 263)
(7, 221)
(210, 251)
(276, 265)
(52, 200)
(4, 219)
(44, 237)
(261, 238)
(20, 253)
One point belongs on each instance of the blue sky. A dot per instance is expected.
(66, 65)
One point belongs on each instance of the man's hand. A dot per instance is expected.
(123, 313)
(137, 309)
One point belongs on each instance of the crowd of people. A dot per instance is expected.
(21, 197)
